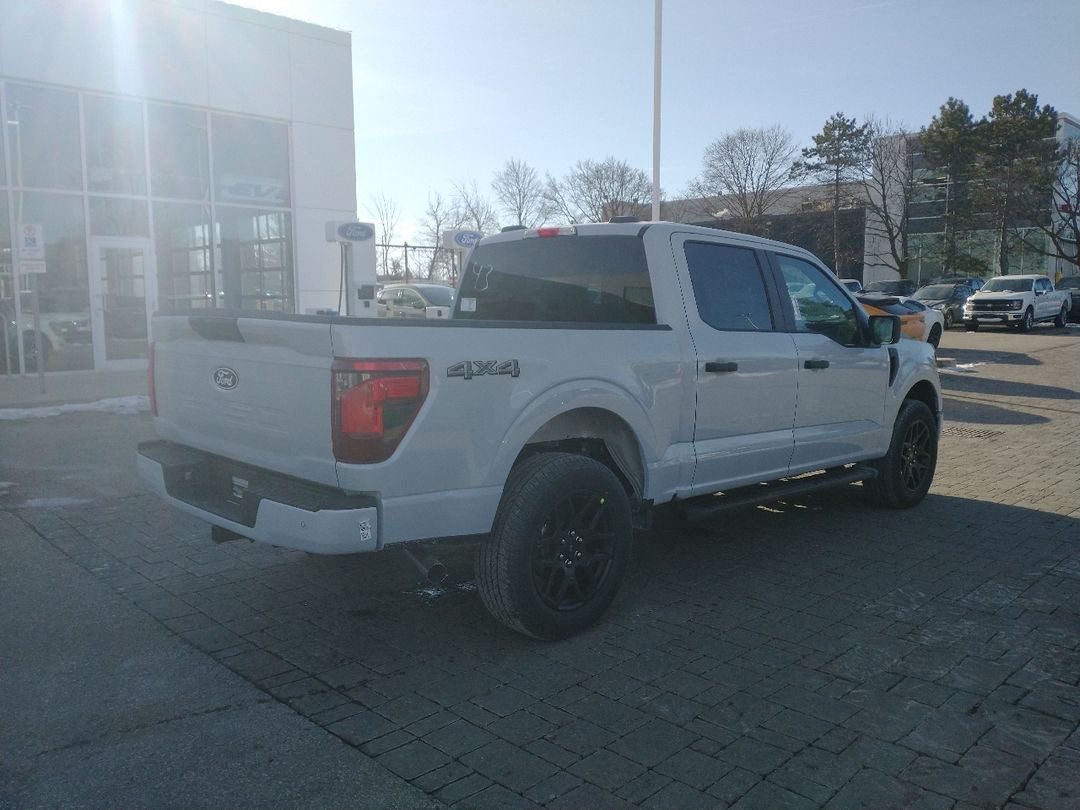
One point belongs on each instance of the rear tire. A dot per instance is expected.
(1062, 318)
(559, 547)
(950, 321)
(907, 470)
(935, 336)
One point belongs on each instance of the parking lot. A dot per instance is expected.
(811, 653)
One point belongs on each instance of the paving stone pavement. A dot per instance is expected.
(812, 653)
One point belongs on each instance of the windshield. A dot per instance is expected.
(1069, 283)
(893, 287)
(1008, 285)
(439, 296)
(934, 292)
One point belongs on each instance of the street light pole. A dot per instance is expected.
(656, 112)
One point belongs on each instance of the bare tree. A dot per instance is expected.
(597, 191)
(385, 211)
(477, 212)
(520, 192)
(888, 185)
(749, 168)
(441, 214)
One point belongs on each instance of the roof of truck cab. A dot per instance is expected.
(639, 228)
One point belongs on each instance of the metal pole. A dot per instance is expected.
(406, 262)
(656, 113)
(39, 357)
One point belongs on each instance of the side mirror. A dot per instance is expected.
(884, 330)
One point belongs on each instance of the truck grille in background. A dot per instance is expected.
(991, 306)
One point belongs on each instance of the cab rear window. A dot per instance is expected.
(565, 279)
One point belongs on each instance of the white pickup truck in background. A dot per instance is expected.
(587, 375)
(1020, 301)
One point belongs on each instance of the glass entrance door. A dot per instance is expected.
(122, 297)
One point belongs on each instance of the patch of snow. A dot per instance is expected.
(124, 406)
(468, 587)
(1072, 326)
(430, 593)
(962, 368)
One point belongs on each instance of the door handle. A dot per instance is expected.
(721, 368)
(816, 364)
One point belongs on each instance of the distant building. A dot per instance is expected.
(168, 153)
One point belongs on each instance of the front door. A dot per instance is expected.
(122, 297)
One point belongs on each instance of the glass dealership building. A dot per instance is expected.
(169, 154)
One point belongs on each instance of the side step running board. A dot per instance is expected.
(704, 507)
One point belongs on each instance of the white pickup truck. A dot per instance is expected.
(587, 375)
(1020, 301)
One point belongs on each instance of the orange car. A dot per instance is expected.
(912, 324)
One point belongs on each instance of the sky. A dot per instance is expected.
(448, 92)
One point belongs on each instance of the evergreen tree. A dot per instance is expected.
(1018, 155)
(951, 144)
(837, 157)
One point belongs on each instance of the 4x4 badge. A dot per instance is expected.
(478, 368)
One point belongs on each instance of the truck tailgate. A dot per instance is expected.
(253, 389)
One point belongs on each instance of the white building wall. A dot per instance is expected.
(221, 57)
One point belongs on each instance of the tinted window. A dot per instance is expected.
(578, 279)
(115, 158)
(251, 161)
(43, 131)
(728, 287)
(439, 296)
(818, 303)
(1003, 284)
(179, 157)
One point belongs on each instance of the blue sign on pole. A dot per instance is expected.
(467, 239)
(355, 231)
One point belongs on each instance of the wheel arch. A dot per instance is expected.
(597, 433)
(924, 392)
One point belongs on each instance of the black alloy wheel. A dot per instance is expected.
(915, 456)
(572, 556)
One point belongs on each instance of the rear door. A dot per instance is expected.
(253, 389)
(842, 383)
(746, 369)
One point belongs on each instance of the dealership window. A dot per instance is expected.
(113, 216)
(179, 153)
(115, 155)
(182, 240)
(251, 161)
(9, 334)
(255, 247)
(63, 290)
(43, 132)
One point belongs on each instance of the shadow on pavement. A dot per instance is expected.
(959, 410)
(976, 384)
(989, 356)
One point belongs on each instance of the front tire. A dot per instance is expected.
(950, 321)
(907, 470)
(1027, 321)
(559, 547)
(971, 326)
(935, 336)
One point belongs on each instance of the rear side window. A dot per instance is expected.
(575, 279)
(728, 287)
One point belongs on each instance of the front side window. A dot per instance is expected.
(728, 287)
(567, 279)
(819, 304)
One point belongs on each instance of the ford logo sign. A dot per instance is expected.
(225, 378)
(467, 239)
(355, 231)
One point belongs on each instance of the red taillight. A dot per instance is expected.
(150, 387)
(373, 404)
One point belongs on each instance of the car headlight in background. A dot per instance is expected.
(1016, 304)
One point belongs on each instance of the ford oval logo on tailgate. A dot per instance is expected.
(225, 378)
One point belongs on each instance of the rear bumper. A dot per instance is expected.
(260, 504)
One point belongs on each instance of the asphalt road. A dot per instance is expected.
(814, 653)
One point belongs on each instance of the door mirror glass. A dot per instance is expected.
(884, 329)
